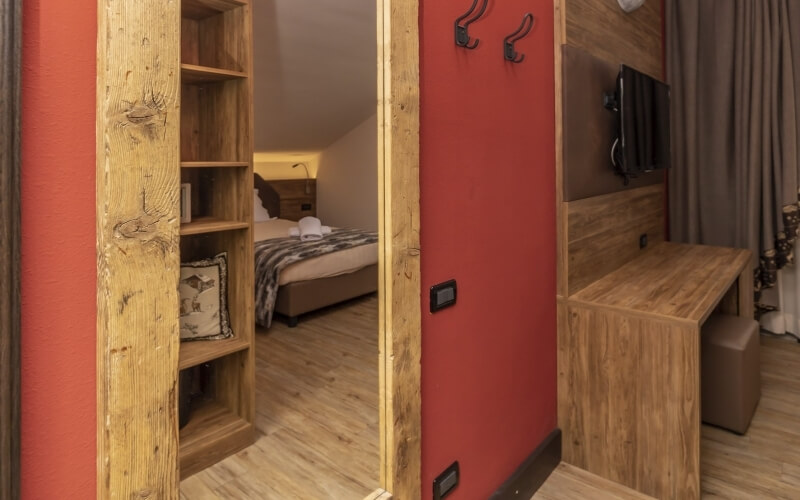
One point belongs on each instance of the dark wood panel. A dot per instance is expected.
(604, 29)
(10, 109)
(534, 471)
(298, 197)
(294, 188)
(589, 129)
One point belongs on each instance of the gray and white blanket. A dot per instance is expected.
(273, 255)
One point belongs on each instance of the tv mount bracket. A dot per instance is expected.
(610, 101)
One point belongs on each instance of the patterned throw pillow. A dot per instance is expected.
(203, 294)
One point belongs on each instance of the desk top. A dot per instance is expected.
(671, 280)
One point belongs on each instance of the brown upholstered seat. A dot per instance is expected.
(731, 382)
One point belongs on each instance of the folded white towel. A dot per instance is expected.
(294, 231)
(310, 228)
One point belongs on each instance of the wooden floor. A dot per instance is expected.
(763, 464)
(316, 413)
(571, 483)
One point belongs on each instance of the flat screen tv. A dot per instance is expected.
(643, 142)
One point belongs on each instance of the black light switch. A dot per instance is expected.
(305, 207)
(443, 295)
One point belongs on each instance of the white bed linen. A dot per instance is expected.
(324, 266)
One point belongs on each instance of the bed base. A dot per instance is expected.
(302, 297)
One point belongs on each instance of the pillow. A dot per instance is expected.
(260, 214)
(203, 295)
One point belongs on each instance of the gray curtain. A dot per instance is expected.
(734, 69)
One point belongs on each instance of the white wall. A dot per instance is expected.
(276, 165)
(347, 179)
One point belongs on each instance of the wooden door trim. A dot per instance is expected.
(138, 114)
(10, 332)
(127, 468)
(398, 179)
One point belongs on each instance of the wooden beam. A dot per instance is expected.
(138, 96)
(10, 110)
(398, 157)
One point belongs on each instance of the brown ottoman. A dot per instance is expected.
(731, 382)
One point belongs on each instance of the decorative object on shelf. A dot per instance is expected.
(308, 176)
(203, 295)
(509, 52)
(186, 203)
(630, 5)
(462, 31)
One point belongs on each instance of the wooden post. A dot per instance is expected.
(138, 96)
(10, 109)
(398, 158)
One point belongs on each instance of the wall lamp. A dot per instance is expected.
(308, 176)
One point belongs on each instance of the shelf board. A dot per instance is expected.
(196, 352)
(191, 73)
(214, 164)
(213, 433)
(200, 9)
(202, 225)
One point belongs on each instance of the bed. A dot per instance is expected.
(318, 281)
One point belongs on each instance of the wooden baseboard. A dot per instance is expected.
(534, 471)
(379, 494)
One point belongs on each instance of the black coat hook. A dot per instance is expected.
(509, 52)
(462, 33)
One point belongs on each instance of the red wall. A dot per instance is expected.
(58, 251)
(487, 186)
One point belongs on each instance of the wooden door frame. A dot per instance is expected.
(10, 332)
(137, 225)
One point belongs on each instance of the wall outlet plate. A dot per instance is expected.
(445, 483)
(443, 295)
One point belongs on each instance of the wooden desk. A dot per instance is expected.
(629, 364)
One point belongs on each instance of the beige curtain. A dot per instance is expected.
(734, 68)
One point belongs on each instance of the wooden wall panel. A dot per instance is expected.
(602, 28)
(642, 431)
(10, 51)
(138, 82)
(400, 342)
(603, 232)
(293, 197)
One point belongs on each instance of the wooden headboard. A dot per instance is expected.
(288, 198)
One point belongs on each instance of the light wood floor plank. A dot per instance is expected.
(762, 463)
(316, 413)
(571, 483)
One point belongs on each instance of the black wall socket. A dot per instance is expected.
(446, 482)
(643, 241)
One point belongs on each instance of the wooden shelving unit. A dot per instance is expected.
(191, 73)
(196, 353)
(213, 164)
(216, 159)
(207, 224)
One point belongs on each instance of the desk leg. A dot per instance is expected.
(738, 301)
(629, 399)
(745, 285)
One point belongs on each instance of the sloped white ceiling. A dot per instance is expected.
(314, 71)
